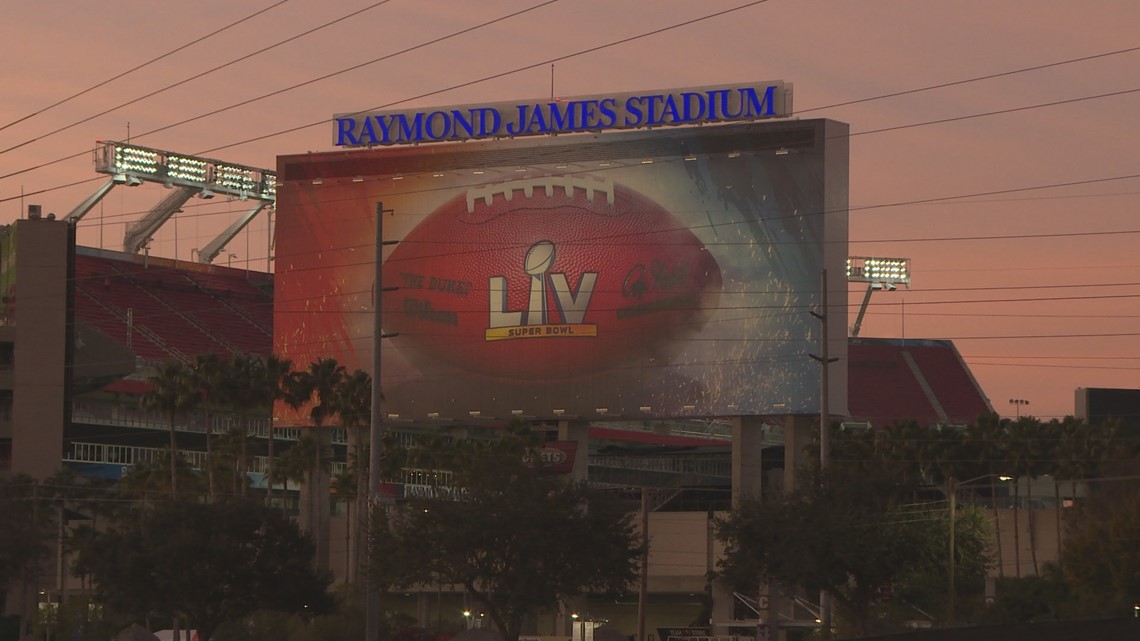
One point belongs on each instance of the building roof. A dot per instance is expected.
(901, 379)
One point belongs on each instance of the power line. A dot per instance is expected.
(496, 76)
(279, 91)
(136, 68)
(188, 79)
(956, 83)
(1111, 94)
(624, 41)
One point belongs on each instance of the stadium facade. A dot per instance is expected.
(707, 410)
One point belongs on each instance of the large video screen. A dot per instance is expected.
(660, 273)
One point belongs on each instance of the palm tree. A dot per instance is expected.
(988, 436)
(318, 386)
(172, 391)
(1064, 462)
(354, 407)
(245, 396)
(273, 385)
(1024, 456)
(212, 377)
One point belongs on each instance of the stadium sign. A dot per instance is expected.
(690, 106)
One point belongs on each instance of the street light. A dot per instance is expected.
(1017, 403)
(952, 486)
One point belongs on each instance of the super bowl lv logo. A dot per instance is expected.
(537, 320)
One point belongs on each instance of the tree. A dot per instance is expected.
(353, 402)
(224, 561)
(987, 435)
(848, 535)
(1024, 455)
(245, 396)
(1101, 555)
(518, 539)
(26, 528)
(272, 386)
(318, 385)
(172, 391)
(212, 376)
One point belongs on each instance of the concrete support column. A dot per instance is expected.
(747, 447)
(579, 432)
(798, 434)
(747, 482)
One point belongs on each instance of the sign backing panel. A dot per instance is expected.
(655, 273)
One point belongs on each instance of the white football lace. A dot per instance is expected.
(547, 183)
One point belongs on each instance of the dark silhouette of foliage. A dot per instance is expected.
(209, 562)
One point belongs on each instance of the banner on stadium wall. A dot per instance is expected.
(662, 273)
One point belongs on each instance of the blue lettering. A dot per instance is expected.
(587, 114)
(537, 124)
(385, 129)
(652, 104)
(413, 131)
(722, 94)
(688, 112)
(344, 129)
(367, 134)
(756, 106)
(590, 114)
(608, 107)
(740, 106)
(518, 127)
(496, 121)
(463, 123)
(430, 128)
(671, 114)
(633, 113)
(561, 117)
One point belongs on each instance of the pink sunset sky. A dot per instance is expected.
(1019, 224)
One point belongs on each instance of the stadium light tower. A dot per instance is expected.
(188, 176)
(878, 273)
(1018, 403)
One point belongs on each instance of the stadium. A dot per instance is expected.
(676, 347)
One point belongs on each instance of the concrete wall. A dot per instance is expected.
(40, 374)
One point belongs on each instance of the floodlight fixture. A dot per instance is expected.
(878, 273)
(133, 165)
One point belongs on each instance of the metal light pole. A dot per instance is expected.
(952, 486)
(952, 499)
(1018, 403)
(878, 273)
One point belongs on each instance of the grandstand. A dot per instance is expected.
(164, 310)
(75, 401)
(923, 380)
(134, 311)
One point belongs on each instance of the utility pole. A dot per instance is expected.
(952, 498)
(375, 434)
(643, 579)
(824, 420)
